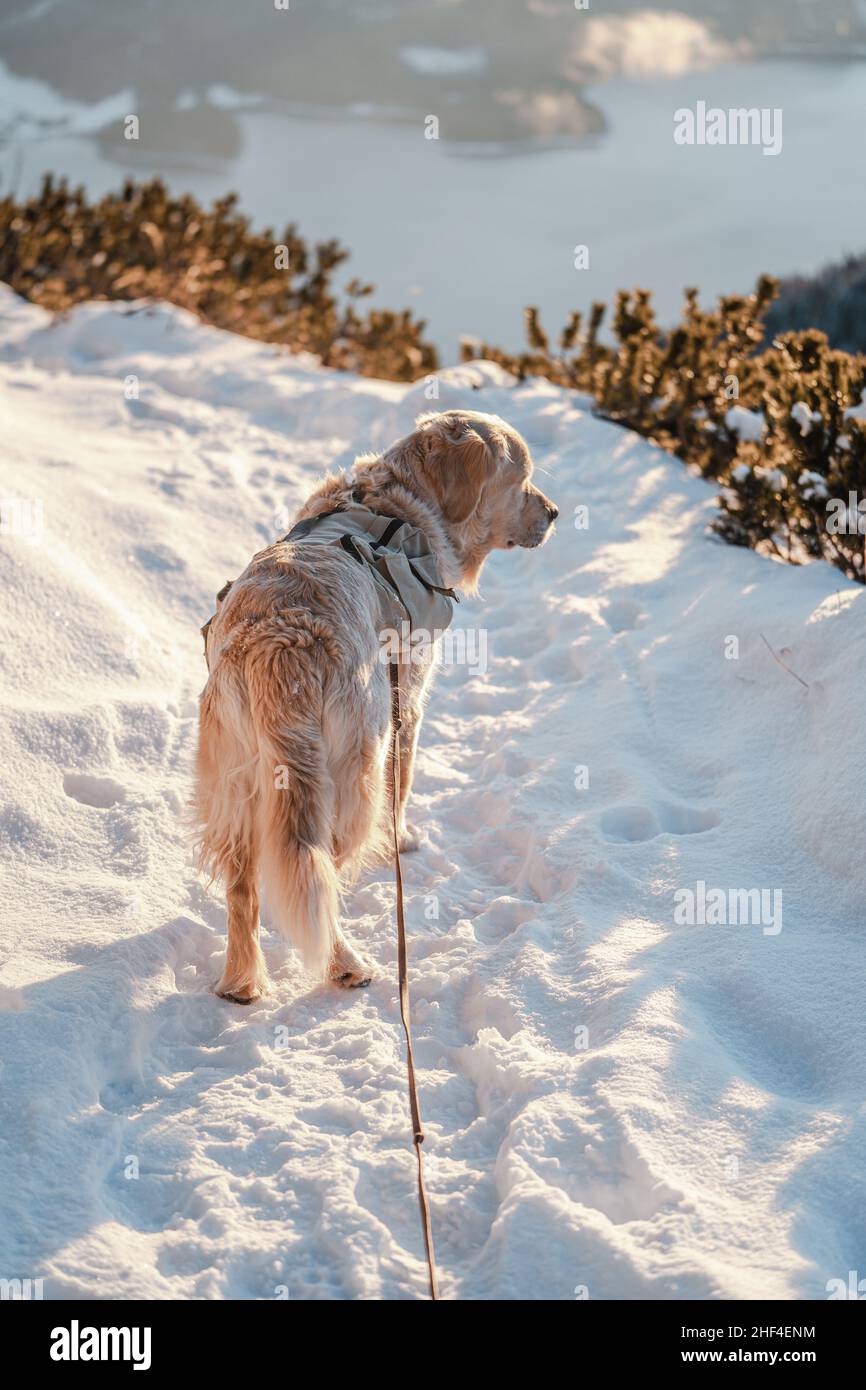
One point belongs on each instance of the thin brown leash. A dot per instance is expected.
(403, 977)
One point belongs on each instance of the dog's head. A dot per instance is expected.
(479, 470)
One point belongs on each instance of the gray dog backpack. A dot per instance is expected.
(398, 558)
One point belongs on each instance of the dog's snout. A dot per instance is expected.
(552, 511)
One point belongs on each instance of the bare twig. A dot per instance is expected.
(776, 657)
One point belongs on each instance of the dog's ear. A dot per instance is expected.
(456, 461)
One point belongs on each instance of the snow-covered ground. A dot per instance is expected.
(615, 1102)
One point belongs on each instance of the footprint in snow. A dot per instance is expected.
(164, 415)
(502, 917)
(171, 482)
(571, 664)
(158, 558)
(623, 614)
(631, 824)
(688, 820)
(93, 791)
(508, 760)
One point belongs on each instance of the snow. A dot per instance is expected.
(857, 412)
(614, 1102)
(812, 484)
(773, 477)
(805, 417)
(747, 425)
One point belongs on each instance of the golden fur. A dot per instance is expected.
(294, 719)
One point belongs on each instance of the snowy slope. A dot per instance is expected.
(703, 1138)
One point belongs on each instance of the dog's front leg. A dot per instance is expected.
(408, 838)
(413, 682)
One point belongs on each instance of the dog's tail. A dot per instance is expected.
(272, 797)
(295, 794)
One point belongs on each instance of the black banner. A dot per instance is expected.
(83, 1339)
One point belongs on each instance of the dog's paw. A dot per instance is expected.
(349, 969)
(409, 839)
(353, 980)
(241, 991)
(236, 998)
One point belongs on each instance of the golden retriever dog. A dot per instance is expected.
(293, 778)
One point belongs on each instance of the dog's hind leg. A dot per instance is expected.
(245, 976)
(296, 798)
(359, 824)
(355, 762)
(226, 795)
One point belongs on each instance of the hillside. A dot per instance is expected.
(702, 1138)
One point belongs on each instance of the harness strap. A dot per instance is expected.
(403, 979)
(390, 530)
(309, 523)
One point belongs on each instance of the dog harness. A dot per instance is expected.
(397, 557)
